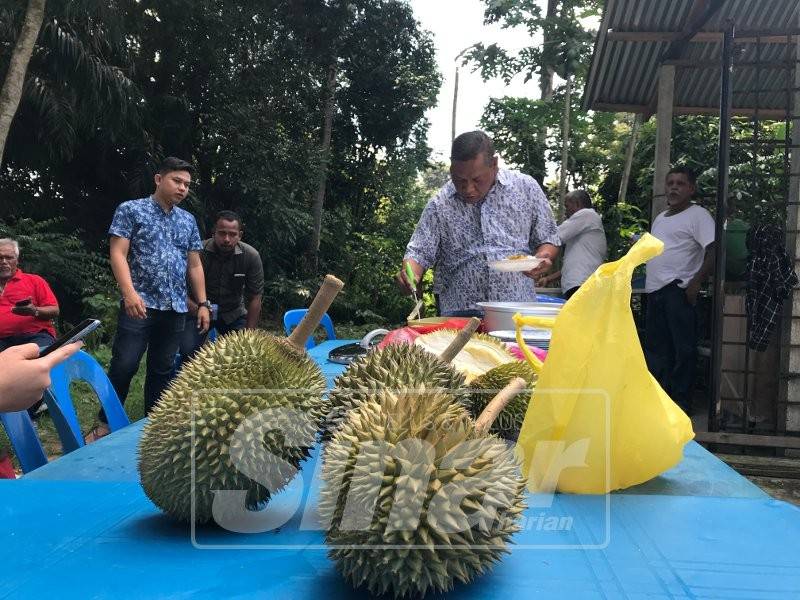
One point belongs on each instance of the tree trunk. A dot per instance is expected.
(626, 170)
(11, 93)
(546, 79)
(322, 179)
(562, 183)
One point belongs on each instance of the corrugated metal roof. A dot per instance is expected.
(625, 73)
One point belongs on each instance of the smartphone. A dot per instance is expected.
(23, 302)
(83, 329)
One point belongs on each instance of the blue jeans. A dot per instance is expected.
(670, 342)
(159, 333)
(40, 338)
(192, 339)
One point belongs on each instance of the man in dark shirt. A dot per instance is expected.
(234, 282)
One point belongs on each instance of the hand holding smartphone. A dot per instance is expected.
(83, 329)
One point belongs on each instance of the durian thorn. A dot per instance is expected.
(498, 403)
(461, 339)
(322, 301)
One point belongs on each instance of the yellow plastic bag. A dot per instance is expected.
(598, 421)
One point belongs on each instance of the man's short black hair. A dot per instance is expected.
(470, 145)
(228, 215)
(583, 198)
(682, 169)
(172, 163)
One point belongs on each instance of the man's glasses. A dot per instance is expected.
(9, 259)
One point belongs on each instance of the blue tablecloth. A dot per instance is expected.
(82, 527)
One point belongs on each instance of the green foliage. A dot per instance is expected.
(49, 249)
(237, 88)
(567, 44)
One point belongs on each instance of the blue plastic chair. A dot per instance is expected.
(79, 367)
(292, 318)
(24, 440)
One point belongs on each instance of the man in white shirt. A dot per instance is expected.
(582, 232)
(673, 280)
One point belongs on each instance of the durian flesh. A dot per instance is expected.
(415, 500)
(480, 354)
(246, 410)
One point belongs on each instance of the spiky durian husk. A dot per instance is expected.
(413, 498)
(397, 367)
(480, 354)
(487, 386)
(248, 381)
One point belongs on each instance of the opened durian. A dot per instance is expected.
(481, 353)
(414, 498)
(398, 367)
(485, 387)
(240, 416)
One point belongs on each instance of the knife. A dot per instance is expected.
(417, 300)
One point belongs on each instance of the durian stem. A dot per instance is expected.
(461, 339)
(498, 403)
(322, 301)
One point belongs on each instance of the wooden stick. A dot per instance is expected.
(322, 301)
(460, 340)
(498, 403)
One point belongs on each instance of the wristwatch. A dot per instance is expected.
(207, 304)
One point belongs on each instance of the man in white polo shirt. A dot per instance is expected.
(582, 232)
(673, 280)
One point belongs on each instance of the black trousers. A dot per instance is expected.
(671, 342)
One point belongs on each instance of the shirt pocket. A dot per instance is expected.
(237, 283)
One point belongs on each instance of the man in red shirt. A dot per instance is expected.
(27, 307)
(27, 304)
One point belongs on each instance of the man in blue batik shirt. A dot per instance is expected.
(155, 248)
(482, 214)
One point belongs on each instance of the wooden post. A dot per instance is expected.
(790, 363)
(666, 100)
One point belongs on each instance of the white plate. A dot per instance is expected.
(520, 264)
(529, 335)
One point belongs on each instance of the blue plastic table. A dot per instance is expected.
(82, 527)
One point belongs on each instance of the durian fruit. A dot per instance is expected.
(239, 417)
(248, 381)
(398, 367)
(482, 389)
(414, 499)
(480, 354)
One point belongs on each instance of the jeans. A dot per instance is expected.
(671, 342)
(40, 338)
(192, 339)
(159, 333)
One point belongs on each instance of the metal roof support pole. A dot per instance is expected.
(666, 102)
(792, 388)
(723, 168)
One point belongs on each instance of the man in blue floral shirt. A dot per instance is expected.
(482, 214)
(155, 247)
